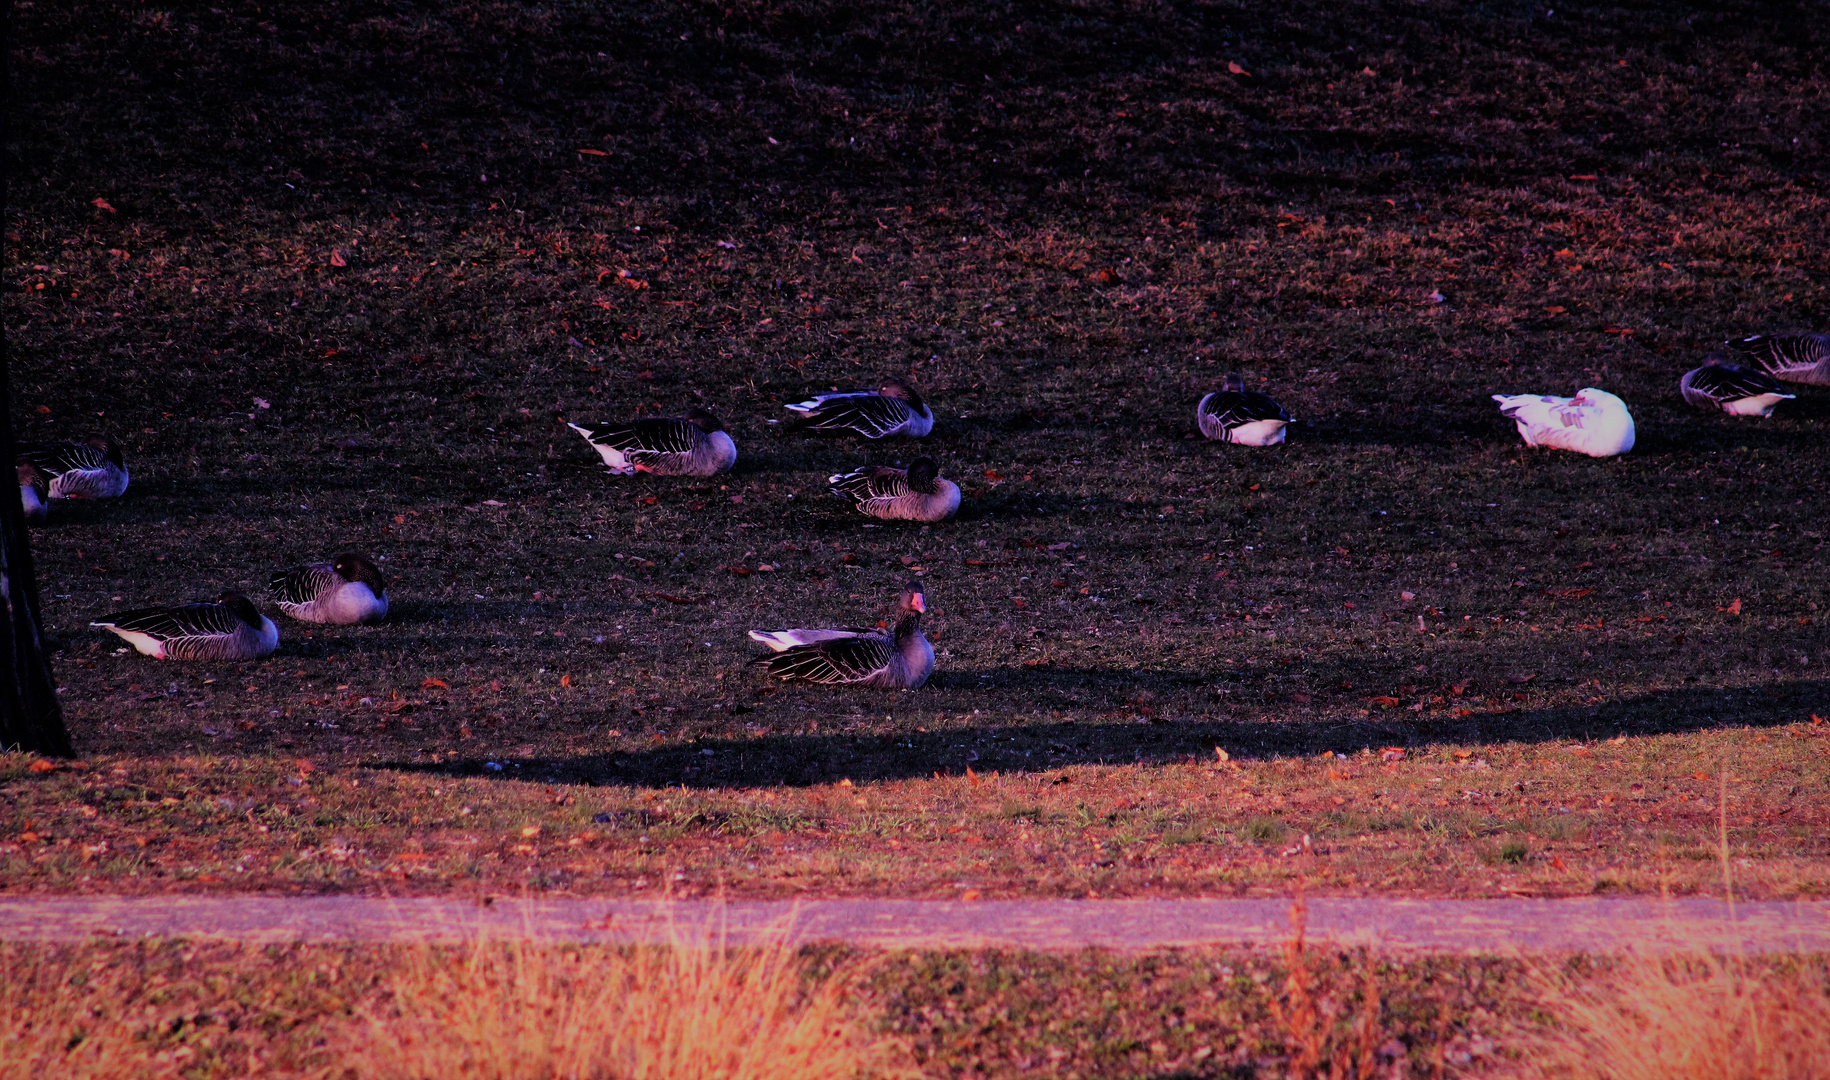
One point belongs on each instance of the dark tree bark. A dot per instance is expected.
(30, 718)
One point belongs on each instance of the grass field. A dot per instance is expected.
(336, 273)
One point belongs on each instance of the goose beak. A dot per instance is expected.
(918, 603)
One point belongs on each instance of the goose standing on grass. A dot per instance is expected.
(34, 491)
(1237, 415)
(893, 409)
(692, 445)
(899, 659)
(231, 628)
(1594, 422)
(91, 469)
(344, 592)
(1732, 388)
(1800, 358)
(913, 494)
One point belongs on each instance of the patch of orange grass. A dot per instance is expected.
(696, 1008)
(1678, 1018)
(92, 1025)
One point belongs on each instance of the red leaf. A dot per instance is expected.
(430, 683)
(102, 204)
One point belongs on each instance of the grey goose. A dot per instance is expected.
(916, 493)
(1799, 358)
(692, 445)
(1236, 415)
(34, 491)
(897, 659)
(228, 628)
(91, 469)
(345, 591)
(892, 409)
(1731, 388)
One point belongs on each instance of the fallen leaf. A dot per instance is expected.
(42, 766)
(1392, 753)
(845, 782)
(428, 684)
(1584, 176)
(530, 831)
(337, 259)
(102, 204)
(1700, 775)
(1237, 70)
(1734, 608)
(1384, 699)
(969, 894)
(593, 153)
(565, 680)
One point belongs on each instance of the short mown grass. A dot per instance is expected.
(336, 273)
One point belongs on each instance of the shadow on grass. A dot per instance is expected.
(816, 757)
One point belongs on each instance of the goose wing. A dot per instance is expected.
(646, 438)
(842, 660)
(1231, 408)
(303, 584)
(1731, 382)
(871, 484)
(183, 621)
(871, 415)
(60, 458)
(783, 640)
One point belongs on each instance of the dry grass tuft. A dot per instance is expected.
(1706, 1018)
(96, 1024)
(695, 1008)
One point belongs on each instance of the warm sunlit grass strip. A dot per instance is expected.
(694, 1009)
(94, 1024)
(1691, 1018)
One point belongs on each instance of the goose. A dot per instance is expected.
(230, 628)
(899, 659)
(913, 494)
(1594, 422)
(692, 445)
(1237, 415)
(893, 409)
(33, 491)
(1801, 358)
(346, 591)
(1732, 388)
(91, 469)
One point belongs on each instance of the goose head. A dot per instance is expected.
(704, 420)
(351, 566)
(1234, 383)
(243, 608)
(922, 474)
(896, 388)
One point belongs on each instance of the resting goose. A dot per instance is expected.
(1732, 388)
(1594, 422)
(1237, 415)
(346, 591)
(913, 494)
(91, 469)
(900, 659)
(894, 409)
(33, 491)
(231, 628)
(1801, 358)
(692, 445)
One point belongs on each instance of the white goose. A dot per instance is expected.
(894, 409)
(1731, 388)
(1800, 358)
(91, 469)
(34, 491)
(344, 592)
(231, 628)
(692, 445)
(1237, 415)
(1594, 422)
(913, 494)
(900, 659)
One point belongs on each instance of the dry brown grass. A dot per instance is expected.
(695, 1008)
(1691, 1018)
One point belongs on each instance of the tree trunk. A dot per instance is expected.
(30, 718)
